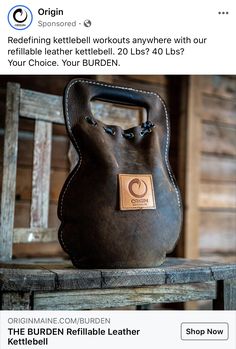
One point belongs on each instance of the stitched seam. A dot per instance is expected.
(80, 158)
(77, 146)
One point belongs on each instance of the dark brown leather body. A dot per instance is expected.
(94, 231)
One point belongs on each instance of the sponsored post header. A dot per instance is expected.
(124, 38)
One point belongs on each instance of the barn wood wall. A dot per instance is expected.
(217, 193)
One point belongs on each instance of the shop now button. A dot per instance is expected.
(214, 331)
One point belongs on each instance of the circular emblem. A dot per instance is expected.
(137, 188)
(87, 23)
(20, 17)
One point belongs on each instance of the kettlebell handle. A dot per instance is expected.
(85, 91)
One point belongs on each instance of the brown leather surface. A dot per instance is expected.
(94, 231)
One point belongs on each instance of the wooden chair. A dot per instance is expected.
(35, 284)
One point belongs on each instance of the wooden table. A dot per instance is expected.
(59, 286)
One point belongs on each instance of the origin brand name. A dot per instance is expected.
(135, 201)
(50, 12)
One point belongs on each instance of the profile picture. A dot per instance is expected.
(20, 17)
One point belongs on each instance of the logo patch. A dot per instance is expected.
(20, 17)
(136, 192)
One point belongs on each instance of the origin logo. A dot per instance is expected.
(20, 17)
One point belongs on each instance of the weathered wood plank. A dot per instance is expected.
(23, 279)
(224, 271)
(173, 270)
(132, 277)
(187, 274)
(226, 295)
(72, 279)
(110, 298)
(220, 116)
(230, 294)
(24, 183)
(219, 86)
(218, 231)
(60, 146)
(218, 139)
(218, 109)
(217, 195)
(41, 106)
(41, 174)
(9, 171)
(218, 168)
(22, 215)
(15, 301)
(190, 239)
(48, 277)
(27, 125)
(25, 235)
(45, 277)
